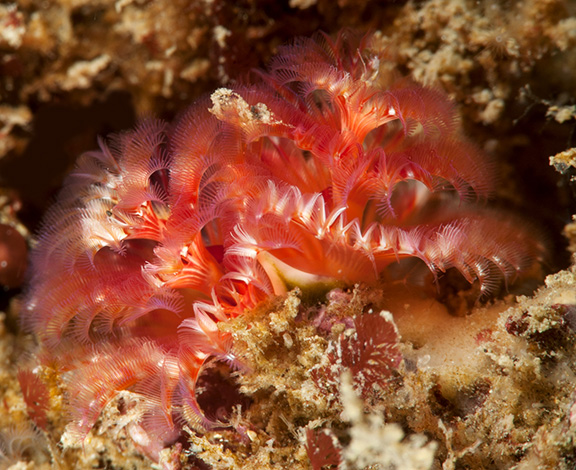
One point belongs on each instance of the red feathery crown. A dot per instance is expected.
(315, 176)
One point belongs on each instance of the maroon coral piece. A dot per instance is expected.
(13, 254)
(36, 397)
(319, 174)
(369, 351)
(323, 449)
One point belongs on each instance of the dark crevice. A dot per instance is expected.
(61, 132)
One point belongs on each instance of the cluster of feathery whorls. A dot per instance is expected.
(316, 176)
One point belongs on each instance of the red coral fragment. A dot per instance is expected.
(36, 397)
(370, 351)
(323, 449)
(13, 257)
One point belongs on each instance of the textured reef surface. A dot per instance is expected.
(312, 266)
